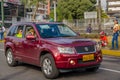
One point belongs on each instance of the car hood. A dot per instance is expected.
(71, 41)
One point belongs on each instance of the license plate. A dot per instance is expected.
(88, 57)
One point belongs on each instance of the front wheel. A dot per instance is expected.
(10, 59)
(48, 66)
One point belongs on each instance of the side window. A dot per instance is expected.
(19, 31)
(29, 30)
(12, 31)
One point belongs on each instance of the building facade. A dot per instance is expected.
(113, 8)
(14, 12)
(41, 14)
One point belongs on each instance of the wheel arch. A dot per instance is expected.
(8, 47)
(44, 52)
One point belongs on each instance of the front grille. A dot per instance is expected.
(85, 49)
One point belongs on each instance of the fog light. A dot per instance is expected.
(72, 62)
(99, 58)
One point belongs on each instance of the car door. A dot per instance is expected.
(31, 47)
(18, 42)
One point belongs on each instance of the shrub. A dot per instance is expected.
(92, 36)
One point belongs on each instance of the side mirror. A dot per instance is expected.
(30, 37)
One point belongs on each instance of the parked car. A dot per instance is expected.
(52, 46)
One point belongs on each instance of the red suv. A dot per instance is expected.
(52, 46)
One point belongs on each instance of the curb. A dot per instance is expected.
(1, 41)
(111, 52)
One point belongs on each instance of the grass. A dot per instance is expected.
(110, 41)
(96, 37)
(107, 51)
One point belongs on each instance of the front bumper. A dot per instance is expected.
(75, 61)
(79, 68)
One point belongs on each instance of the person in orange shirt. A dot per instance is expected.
(103, 39)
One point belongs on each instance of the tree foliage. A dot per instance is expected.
(104, 15)
(93, 1)
(75, 8)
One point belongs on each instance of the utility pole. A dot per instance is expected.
(54, 10)
(99, 13)
(2, 12)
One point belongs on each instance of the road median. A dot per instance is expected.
(111, 52)
(1, 41)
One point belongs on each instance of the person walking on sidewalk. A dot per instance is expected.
(115, 34)
(2, 30)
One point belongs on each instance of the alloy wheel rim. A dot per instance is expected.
(47, 66)
(9, 57)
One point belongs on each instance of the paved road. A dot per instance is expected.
(109, 70)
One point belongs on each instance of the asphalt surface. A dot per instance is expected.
(109, 70)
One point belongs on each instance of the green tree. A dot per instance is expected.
(104, 15)
(75, 8)
(35, 3)
(93, 1)
(59, 16)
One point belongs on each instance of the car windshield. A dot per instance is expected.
(54, 30)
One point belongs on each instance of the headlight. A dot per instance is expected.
(98, 47)
(66, 50)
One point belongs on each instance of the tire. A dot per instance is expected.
(94, 69)
(10, 58)
(48, 67)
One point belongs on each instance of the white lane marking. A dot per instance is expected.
(111, 70)
(1, 49)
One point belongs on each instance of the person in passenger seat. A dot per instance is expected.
(31, 32)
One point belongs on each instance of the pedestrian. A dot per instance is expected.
(103, 39)
(89, 29)
(2, 30)
(115, 35)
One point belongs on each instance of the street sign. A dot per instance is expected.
(90, 15)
